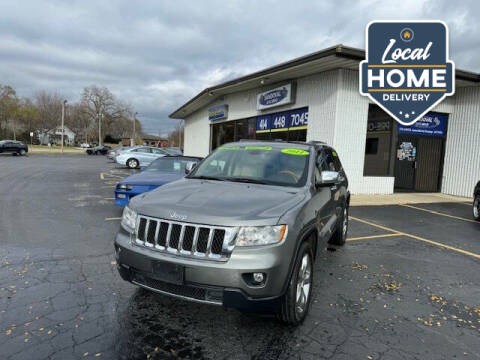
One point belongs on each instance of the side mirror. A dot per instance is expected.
(327, 178)
(189, 167)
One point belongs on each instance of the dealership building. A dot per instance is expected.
(316, 97)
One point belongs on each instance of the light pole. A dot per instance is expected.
(63, 120)
(132, 143)
(100, 117)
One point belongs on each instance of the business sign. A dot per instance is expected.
(407, 71)
(283, 121)
(378, 126)
(431, 124)
(218, 112)
(281, 95)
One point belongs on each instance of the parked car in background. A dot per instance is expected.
(14, 147)
(99, 150)
(139, 156)
(85, 145)
(114, 152)
(160, 172)
(476, 202)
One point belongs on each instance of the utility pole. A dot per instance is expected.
(134, 135)
(100, 117)
(63, 120)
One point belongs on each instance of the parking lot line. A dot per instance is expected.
(438, 213)
(373, 237)
(113, 218)
(415, 237)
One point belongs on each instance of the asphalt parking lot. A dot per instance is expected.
(405, 286)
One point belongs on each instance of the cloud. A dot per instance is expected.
(156, 55)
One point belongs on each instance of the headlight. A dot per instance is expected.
(124, 187)
(129, 219)
(261, 235)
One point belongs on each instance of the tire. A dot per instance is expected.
(296, 300)
(132, 163)
(340, 235)
(476, 207)
(22, 152)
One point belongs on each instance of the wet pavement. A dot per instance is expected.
(405, 287)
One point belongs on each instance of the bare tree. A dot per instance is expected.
(176, 136)
(49, 108)
(100, 104)
(8, 107)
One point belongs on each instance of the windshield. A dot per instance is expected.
(170, 164)
(284, 166)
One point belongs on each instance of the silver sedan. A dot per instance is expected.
(139, 156)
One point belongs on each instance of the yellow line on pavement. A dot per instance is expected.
(113, 218)
(431, 242)
(373, 237)
(438, 213)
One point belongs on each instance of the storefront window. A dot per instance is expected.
(378, 143)
(287, 126)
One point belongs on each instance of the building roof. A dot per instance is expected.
(335, 57)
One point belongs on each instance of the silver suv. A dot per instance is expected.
(241, 230)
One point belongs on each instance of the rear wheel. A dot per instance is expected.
(132, 163)
(476, 207)
(340, 235)
(296, 301)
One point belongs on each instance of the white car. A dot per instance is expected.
(85, 145)
(139, 156)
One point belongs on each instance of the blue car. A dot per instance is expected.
(161, 171)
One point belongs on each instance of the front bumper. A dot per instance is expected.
(212, 282)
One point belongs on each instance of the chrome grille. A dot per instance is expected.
(185, 239)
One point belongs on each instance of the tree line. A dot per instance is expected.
(21, 116)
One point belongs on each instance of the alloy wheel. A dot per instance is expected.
(304, 281)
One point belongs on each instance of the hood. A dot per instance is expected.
(218, 203)
(151, 178)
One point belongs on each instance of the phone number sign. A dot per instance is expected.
(296, 119)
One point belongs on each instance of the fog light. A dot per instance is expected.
(258, 277)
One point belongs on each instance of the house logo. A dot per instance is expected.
(407, 71)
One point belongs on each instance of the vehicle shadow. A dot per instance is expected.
(158, 327)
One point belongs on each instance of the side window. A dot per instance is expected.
(322, 161)
(336, 161)
(143, 150)
(158, 151)
(327, 160)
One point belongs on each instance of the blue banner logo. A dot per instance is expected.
(407, 71)
(273, 97)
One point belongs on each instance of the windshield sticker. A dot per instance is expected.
(263, 148)
(229, 148)
(334, 154)
(296, 152)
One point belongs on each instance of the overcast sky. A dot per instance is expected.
(156, 55)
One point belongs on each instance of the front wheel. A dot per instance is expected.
(132, 163)
(296, 301)
(476, 207)
(22, 152)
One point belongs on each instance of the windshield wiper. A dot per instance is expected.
(203, 177)
(247, 180)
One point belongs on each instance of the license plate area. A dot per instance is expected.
(168, 272)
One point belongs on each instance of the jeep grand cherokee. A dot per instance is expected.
(241, 230)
